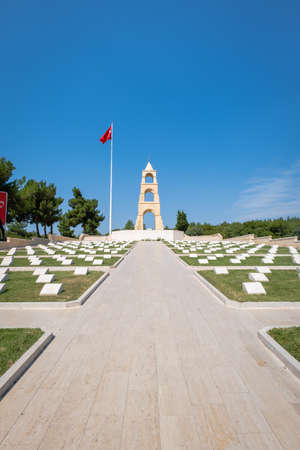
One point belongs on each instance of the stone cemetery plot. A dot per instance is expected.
(221, 271)
(253, 288)
(258, 277)
(249, 260)
(14, 342)
(51, 262)
(185, 247)
(22, 286)
(45, 278)
(81, 271)
(282, 285)
(3, 277)
(51, 289)
(69, 249)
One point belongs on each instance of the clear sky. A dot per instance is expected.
(208, 91)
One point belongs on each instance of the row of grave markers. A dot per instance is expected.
(254, 286)
(229, 249)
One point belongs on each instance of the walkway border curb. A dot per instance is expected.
(55, 305)
(11, 376)
(292, 364)
(246, 305)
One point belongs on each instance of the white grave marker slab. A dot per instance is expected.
(235, 261)
(253, 288)
(81, 271)
(2, 287)
(258, 277)
(97, 262)
(67, 262)
(203, 261)
(3, 277)
(51, 289)
(45, 278)
(267, 261)
(36, 263)
(221, 270)
(42, 271)
(263, 269)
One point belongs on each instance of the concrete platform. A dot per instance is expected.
(153, 361)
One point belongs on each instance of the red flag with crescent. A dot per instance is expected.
(106, 136)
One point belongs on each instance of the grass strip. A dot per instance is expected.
(14, 342)
(24, 262)
(250, 261)
(289, 339)
(284, 285)
(22, 287)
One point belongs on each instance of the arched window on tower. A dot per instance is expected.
(149, 178)
(148, 197)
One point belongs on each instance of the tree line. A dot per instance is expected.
(36, 203)
(276, 228)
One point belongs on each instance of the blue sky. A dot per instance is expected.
(208, 91)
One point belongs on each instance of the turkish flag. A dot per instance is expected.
(3, 207)
(106, 136)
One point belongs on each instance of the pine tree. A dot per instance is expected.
(64, 227)
(84, 212)
(129, 225)
(182, 223)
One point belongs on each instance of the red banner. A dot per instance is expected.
(3, 207)
(106, 136)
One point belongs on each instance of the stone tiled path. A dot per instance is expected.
(152, 361)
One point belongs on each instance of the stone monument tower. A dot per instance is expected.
(153, 205)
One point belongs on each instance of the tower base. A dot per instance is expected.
(153, 235)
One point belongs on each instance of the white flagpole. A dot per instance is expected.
(110, 200)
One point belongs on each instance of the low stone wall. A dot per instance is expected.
(245, 237)
(282, 242)
(209, 237)
(262, 239)
(16, 242)
(58, 238)
(88, 237)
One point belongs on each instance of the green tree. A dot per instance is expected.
(18, 229)
(182, 223)
(129, 225)
(12, 188)
(40, 204)
(64, 226)
(84, 212)
(50, 208)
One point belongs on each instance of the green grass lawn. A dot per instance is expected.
(40, 252)
(14, 342)
(22, 287)
(251, 261)
(289, 339)
(262, 250)
(284, 285)
(47, 261)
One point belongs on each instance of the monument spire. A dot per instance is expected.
(149, 184)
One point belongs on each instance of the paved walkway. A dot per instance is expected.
(152, 361)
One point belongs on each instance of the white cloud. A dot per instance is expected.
(272, 196)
